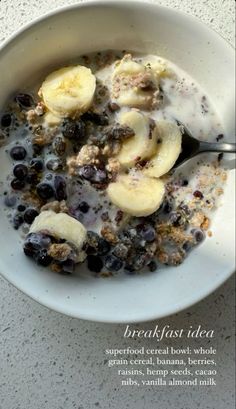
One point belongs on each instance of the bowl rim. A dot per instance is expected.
(187, 303)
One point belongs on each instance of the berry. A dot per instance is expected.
(97, 119)
(30, 215)
(37, 149)
(35, 242)
(167, 207)
(103, 247)
(10, 201)
(36, 164)
(20, 171)
(83, 207)
(32, 178)
(152, 265)
(43, 258)
(17, 184)
(129, 269)
(87, 172)
(94, 263)
(45, 191)
(21, 208)
(68, 266)
(147, 232)
(187, 246)
(198, 234)
(6, 120)
(73, 129)
(18, 153)
(113, 263)
(17, 221)
(60, 188)
(24, 100)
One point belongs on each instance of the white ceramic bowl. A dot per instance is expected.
(60, 37)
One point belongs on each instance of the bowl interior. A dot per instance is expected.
(146, 28)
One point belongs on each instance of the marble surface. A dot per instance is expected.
(49, 361)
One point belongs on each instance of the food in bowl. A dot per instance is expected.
(92, 150)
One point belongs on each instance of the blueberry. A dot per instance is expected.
(37, 149)
(97, 119)
(32, 244)
(198, 234)
(68, 266)
(45, 191)
(129, 269)
(24, 100)
(147, 232)
(6, 120)
(36, 164)
(103, 247)
(35, 242)
(73, 129)
(32, 178)
(60, 188)
(167, 207)
(30, 215)
(152, 265)
(18, 153)
(17, 184)
(20, 171)
(21, 208)
(113, 263)
(43, 258)
(185, 182)
(17, 221)
(94, 263)
(10, 201)
(83, 207)
(187, 246)
(87, 172)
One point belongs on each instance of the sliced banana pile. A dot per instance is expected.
(68, 91)
(140, 193)
(60, 226)
(134, 85)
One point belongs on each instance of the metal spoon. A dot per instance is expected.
(192, 147)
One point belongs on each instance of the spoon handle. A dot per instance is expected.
(217, 147)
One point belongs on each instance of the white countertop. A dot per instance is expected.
(49, 361)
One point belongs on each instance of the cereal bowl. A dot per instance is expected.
(60, 37)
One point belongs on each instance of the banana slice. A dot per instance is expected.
(140, 146)
(61, 226)
(168, 151)
(136, 194)
(68, 91)
(134, 85)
